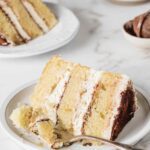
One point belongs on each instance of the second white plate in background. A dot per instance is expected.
(65, 30)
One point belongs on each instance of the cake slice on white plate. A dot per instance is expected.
(24, 20)
(77, 100)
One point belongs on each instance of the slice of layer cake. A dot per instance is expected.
(78, 100)
(9, 34)
(24, 20)
(41, 14)
(85, 95)
(27, 24)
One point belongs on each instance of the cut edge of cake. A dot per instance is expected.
(44, 12)
(85, 100)
(27, 119)
(72, 94)
(11, 15)
(29, 28)
(21, 32)
(21, 116)
(51, 87)
(8, 34)
(106, 114)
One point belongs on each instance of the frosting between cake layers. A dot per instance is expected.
(86, 98)
(8, 11)
(35, 16)
(55, 97)
(124, 83)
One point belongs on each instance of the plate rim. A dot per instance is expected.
(130, 1)
(45, 49)
(26, 144)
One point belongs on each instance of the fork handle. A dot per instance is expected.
(108, 142)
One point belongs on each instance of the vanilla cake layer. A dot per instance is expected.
(44, 12)
(25, 20)
(86, 100)
(39, 21)
(102, 105)
(21, 116)
(8, 30)
(71, 97)
(101, 120)
(14, 20)
(24, 117)
(51, 76)
(46, 132)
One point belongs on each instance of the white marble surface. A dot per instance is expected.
(99, 44)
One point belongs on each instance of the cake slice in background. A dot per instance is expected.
(41, 14)
(78, 100)
(25, 20)
(8, 31)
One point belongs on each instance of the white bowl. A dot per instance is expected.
(137, 41)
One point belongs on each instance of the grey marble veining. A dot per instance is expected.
(99, 44)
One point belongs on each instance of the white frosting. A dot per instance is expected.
(35, 16)
(55, 97)
(124, 83)
(86, 98)
(14, 20)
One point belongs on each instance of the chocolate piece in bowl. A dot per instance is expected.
(129, 28)
(141, 25)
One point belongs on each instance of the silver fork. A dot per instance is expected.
(59, 145)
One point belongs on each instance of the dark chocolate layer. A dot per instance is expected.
(125, 112)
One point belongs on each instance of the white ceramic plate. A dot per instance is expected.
(137, 128)
(65, 30)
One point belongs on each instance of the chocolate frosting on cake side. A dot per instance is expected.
(125, 112)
